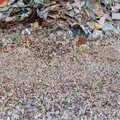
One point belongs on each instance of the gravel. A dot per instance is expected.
(82, 84)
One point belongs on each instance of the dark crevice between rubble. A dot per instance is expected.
(32, 18)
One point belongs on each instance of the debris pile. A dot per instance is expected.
(91, 15)
(79, 21)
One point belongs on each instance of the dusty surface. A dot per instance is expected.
(86, 80)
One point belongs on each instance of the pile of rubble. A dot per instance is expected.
(92, 16)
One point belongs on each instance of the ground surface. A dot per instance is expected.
(81, 85)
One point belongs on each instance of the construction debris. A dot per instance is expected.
(76, 21)
(82, 83)
(61, 14)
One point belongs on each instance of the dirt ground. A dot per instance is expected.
(88, 79)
